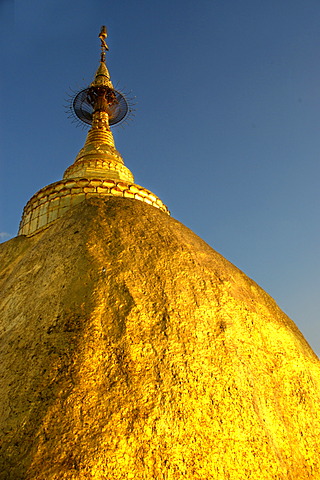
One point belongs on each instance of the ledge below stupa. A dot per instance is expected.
(52, 201)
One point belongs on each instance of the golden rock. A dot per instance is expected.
(132, 350)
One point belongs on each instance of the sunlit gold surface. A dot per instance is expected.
(132, 350)
(53, 201)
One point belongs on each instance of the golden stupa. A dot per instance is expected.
(132, 350)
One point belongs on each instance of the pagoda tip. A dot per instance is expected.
(104, 47)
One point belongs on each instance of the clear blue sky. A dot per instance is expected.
(226, 130)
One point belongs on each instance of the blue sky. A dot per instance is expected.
(226, 130)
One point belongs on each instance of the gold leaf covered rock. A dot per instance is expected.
(132, 350)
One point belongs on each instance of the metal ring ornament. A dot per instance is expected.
(83, 108)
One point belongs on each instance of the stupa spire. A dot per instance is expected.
(98, 169)
(102, 76)
(100, 104)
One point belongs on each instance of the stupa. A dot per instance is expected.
(131, 349)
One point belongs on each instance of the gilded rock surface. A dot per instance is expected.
(132, 350)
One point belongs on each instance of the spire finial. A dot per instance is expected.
(104, 47)
(101, 96)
